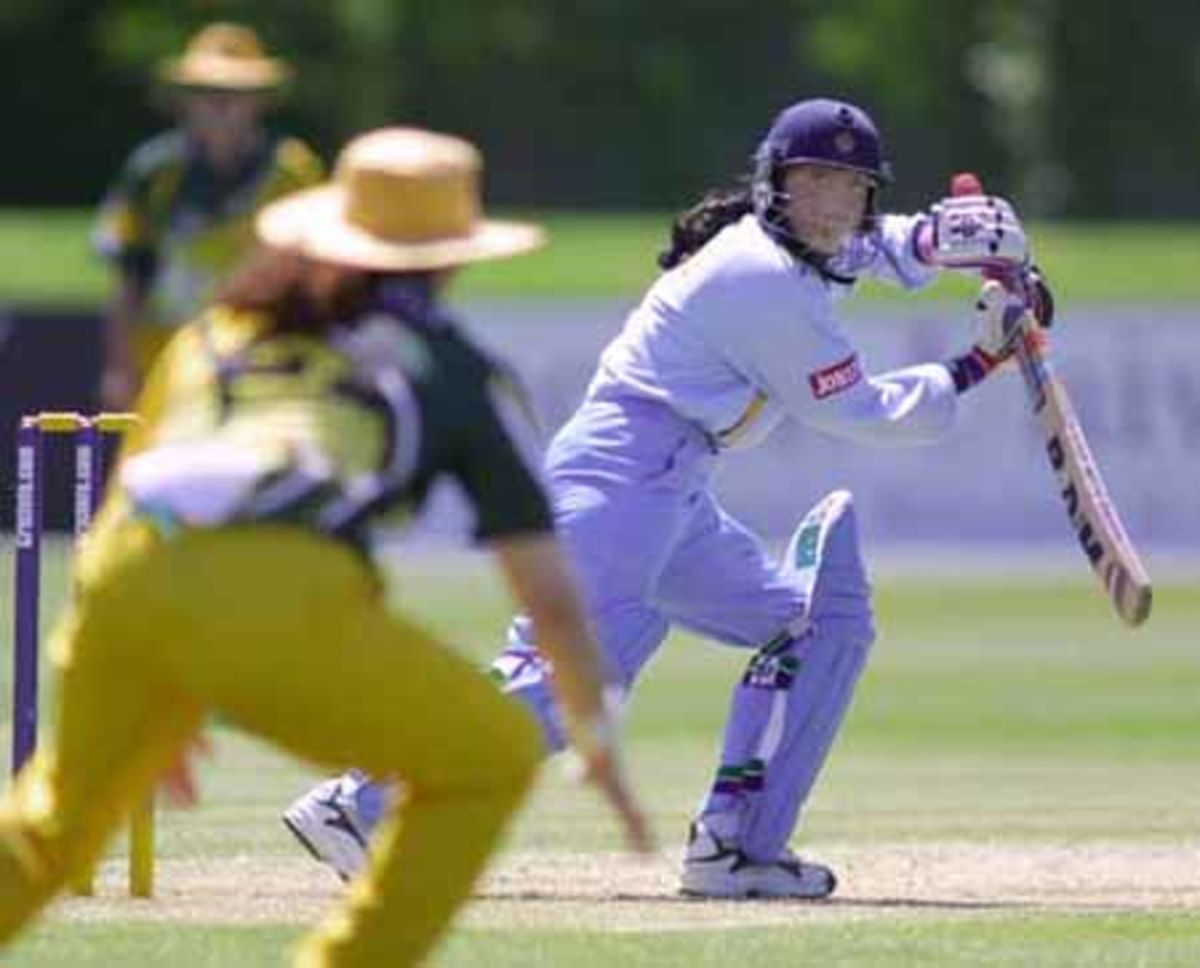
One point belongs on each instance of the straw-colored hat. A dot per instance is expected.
(227, 57)
(401, 199)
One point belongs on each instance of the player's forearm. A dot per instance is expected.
(127, 305)
(562, 634)
(118, 384)
(901, 258)
(539, 579)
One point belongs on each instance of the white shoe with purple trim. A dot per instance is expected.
(714, 869)
(325, 821)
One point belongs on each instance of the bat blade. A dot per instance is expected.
(1090, 510)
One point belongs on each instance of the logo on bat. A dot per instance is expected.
(1084, 530)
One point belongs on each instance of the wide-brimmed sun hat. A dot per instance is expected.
(401, 199)
(228, 57)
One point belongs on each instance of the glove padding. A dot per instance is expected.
(999, 319)
(975, 232)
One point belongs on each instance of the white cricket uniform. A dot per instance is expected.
(718, 352)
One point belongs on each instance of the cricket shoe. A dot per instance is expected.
(325, 821)
(712, 868)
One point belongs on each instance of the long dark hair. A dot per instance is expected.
(695, 226)
(296, 294)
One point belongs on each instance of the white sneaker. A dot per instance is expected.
(325, 821)
(712, 868)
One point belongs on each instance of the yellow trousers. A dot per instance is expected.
(285, 635)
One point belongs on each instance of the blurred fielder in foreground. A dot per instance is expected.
(740, 332)
(230, 573)
(180, 214)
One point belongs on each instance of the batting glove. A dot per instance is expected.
(998, 320)
(974, 232)
(1001, 318)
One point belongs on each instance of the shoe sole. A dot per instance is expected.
(753, 895)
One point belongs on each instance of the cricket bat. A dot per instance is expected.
(1091, 512)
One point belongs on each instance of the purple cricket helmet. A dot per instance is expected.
(818, 131)
(826, 132)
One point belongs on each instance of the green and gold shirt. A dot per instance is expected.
(390, 406)
(178, 226)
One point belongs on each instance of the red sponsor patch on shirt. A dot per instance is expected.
(833, 379)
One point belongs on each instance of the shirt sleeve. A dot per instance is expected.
(124, 232)
(889, 253)
(494, 471)
(914, 405)
(797, 356)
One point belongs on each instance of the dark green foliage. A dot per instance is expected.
(1079, 108)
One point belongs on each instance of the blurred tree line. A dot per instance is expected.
(1082, 108)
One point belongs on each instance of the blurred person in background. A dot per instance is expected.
(180, 213)
(740, 332)
(324, 392)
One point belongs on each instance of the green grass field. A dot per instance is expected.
(47, 262)
(1017, 785)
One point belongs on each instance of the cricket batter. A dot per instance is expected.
(180, 214)
(740, 332)
(230, 570)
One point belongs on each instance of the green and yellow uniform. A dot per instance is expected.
(176, 226)
(270, 613)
